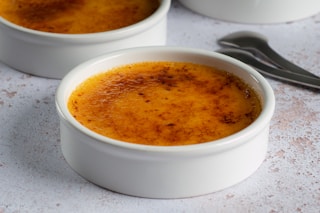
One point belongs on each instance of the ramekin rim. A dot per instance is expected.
(227, 142)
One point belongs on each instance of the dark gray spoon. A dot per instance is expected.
(277, 73)
(258, 45)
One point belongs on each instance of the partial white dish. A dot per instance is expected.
(255, 11)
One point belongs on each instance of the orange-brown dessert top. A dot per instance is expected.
(165, 103)
(76, 16)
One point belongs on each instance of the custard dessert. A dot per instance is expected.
(76, 16)
(165, 103)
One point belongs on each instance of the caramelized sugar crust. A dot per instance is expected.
(165, 103)
(76, 16)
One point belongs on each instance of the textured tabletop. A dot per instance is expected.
(34, 176)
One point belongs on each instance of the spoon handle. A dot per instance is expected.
(283, 63)
(257, 44)
(281, 74)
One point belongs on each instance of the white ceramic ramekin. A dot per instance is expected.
(255, 11)
(158, 171)
(52, 55)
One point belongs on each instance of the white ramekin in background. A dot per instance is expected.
(52, 55)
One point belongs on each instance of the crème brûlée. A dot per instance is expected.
(76, 16)
(165, 103)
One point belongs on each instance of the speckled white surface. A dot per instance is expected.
(34, 176)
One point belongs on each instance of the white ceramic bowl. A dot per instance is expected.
(159, 171)
(52, 55)
(255, 11)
